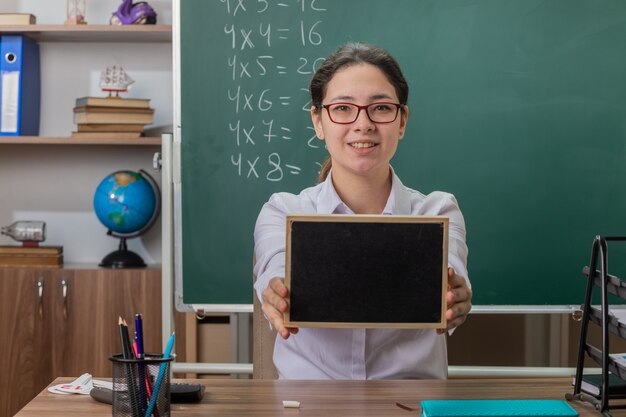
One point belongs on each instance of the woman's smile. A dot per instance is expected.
(359, 145)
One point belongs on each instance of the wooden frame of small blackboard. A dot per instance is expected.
(366, 271)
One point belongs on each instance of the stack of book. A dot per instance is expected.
(115, 117)
(47, 256)
(17, 19)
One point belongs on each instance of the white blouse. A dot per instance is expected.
(355, 353)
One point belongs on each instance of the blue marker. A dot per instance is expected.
(139, 331)
(140, 355)
(159, 380)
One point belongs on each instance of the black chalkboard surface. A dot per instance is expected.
(366, 271)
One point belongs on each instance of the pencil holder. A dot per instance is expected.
(141, 387)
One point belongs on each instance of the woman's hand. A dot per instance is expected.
(275, 304)
(458, 300)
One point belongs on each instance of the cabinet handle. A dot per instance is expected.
(40, 296)
(156, 161)
(64, 292)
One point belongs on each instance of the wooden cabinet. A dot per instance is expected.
(87, 332)
(25, 328)
(63, 322)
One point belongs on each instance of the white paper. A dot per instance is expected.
(81, 385)
(10, 96)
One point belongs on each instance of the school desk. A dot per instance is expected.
(260, 398)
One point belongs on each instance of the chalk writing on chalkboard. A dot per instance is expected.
(258, 120)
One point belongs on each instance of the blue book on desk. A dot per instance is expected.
(19, 86)
(497, 408)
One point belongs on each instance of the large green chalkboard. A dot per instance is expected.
(518, 107)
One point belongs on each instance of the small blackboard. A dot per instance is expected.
(361, 271)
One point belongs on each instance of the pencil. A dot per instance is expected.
(125, 340)
(127, 352)
(404, 407)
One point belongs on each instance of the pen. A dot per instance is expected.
(139, 332)
(140, 356)
(159, 380)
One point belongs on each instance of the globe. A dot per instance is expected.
(127, 204)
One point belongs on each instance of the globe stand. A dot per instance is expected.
(122, 258)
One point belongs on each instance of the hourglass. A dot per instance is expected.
(76, 11)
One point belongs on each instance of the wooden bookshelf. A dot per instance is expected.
(91, 33)
(47, 140)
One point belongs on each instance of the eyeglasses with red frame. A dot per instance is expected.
(346, 113)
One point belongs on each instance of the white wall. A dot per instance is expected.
(56, 183)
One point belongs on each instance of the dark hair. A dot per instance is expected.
(354, 54)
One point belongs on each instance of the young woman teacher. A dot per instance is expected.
(359, 109)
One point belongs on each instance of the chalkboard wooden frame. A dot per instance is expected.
(406, 250)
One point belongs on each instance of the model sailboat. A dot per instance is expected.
(115, 80)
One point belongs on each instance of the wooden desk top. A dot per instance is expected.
(245, 397)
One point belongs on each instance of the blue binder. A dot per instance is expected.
(20, 86)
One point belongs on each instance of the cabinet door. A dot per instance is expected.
(25, 329)
(59, 284)
(96, 298)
